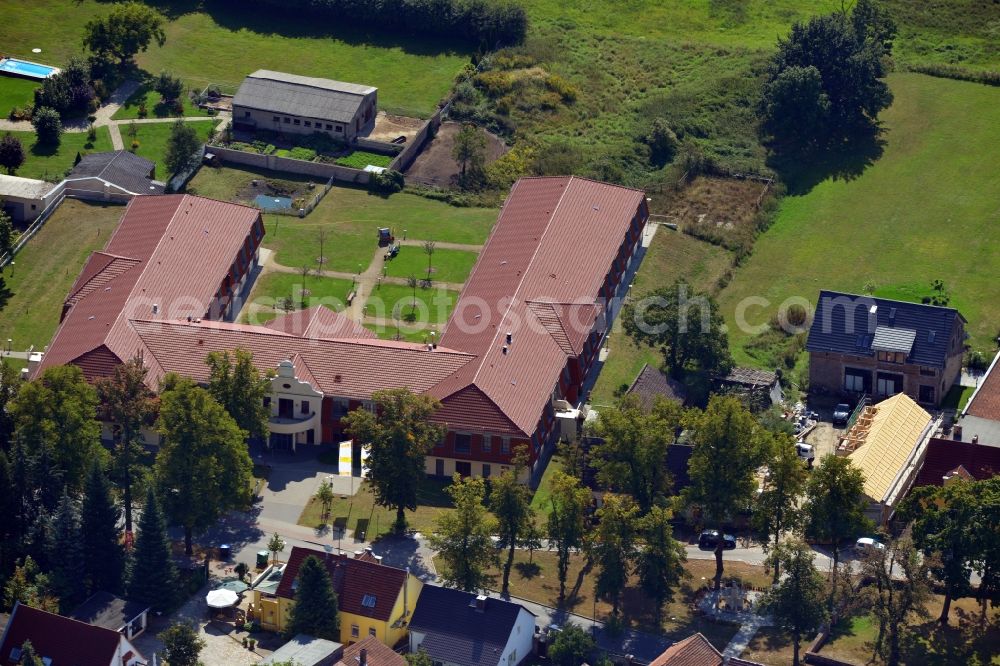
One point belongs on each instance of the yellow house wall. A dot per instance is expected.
(274, 613)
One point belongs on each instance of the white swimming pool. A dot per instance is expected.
(27, 69)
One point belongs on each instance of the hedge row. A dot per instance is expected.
(959, 73)
(486, 22)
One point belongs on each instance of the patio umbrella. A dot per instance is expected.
(221, 599)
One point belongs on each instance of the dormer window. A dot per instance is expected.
(368, 601)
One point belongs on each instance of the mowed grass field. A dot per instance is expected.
(446, 265)
(47, 164)
(927, 209)
(350, 217)
(153, 137)
(221, 43)
(46, 268)
(15, 92)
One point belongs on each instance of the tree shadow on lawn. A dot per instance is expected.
(44, 149)
(272, 21)
(962, 643)
(845, 160)
(527, 570)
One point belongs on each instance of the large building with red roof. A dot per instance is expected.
(516, 354)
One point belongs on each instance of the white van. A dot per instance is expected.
(805, 452)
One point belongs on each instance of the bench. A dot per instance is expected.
(350, 297)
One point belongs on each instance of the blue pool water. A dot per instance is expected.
(24, 68)
(267, 202)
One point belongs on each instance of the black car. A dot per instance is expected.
(841, 413)
(710, 539)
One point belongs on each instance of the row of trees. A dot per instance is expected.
(65, 496)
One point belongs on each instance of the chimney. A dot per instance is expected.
(481, 603)
(956, 432)
(156, 308)
(363, 657)
(510, 337)
(504, 350)
(975, 439)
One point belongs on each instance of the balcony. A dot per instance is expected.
(291, 425)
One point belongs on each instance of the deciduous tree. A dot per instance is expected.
(169, 86)
(58, 410)
(945, 526)
(48, 126)
(315, 611)
(182, 147)
(571, 646)
(29, 586)
(463, 538)
(835, 506)
(11, 153)
(775, 511)
(181, 644)
(324, 495)
(236, 383)
(276, 545)
(900, 590)
(797, 603)
(613, 547)
(631, 455)
(728, 443)
(567, 521)
(203, 468)
(397, 440)
(510, 502)
(152, 575)
(10, 385)
(469, 151)
(103, 557)
(128, 404)
(127, 30)
(660, 560)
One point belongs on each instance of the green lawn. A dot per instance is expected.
(329, 292)
(359, 159)
(417, 333)
(154, 108)
(670, 256)
(447, 265)
(925, 210)
(152, 138)
(46, 164)
(360, 513)
(222, 43)
(15, 91)
(957, 397)
(46, 268)
(350, 216)
(433, 305)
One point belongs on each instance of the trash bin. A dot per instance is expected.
(225, 551)
(262, 556)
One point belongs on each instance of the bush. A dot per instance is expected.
(182, 147)
(571, 646)
(11, 153)
(170, 87)
(387, 182)
(494, 84)
(662, 142)
(48, 126)
(566, 90)
(142, 112)
(977, 361)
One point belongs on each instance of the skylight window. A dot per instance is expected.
(368, 601)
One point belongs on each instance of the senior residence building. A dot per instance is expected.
(876, 346)
(511, 365)
(295, 104)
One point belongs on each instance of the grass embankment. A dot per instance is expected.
(52, 164)
(221, 43)
(925, 210)
(46, 268)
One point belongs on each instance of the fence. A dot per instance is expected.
(301, 167)
(409, 153)
(32, 229)
(308, 208)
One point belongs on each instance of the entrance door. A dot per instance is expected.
(439, 467)
(463, 468)
(888, 384)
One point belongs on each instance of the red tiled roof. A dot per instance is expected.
(61, 639)
(545, 260)
(692, 651)
(985, 402)
(352, 580)
(319, 322)
(349, 368)
(944, 455)
(172, 251)
(376, 654)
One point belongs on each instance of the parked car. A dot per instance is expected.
(805, 452)
(385, 236)
(710, 539)
(841, 413)
(867, 544)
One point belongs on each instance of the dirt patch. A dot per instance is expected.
(719, 210)
(436, 167)
(388, 127)
(298, 192)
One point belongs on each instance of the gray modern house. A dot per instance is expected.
(295, 104)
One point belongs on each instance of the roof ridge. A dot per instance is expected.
(890, 300)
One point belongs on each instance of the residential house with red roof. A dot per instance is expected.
(695, 650)
(511, 364)
(375, 600)
(63, 641)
